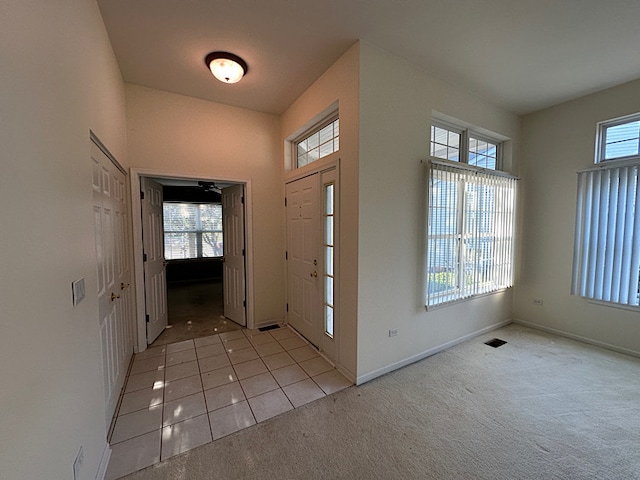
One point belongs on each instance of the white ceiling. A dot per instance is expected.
(523, 55)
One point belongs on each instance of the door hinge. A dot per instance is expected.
(287, 307)
(243, 252)
(144, 257)
(141, 195)
(285, 201)
(286, 255)
(244, 303)
(147, 317)
(242, 200)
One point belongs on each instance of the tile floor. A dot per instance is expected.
(183, 395)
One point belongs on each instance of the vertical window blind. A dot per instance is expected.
(470, 232)
(606, 263)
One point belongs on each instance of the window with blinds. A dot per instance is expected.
(192, 230)
(470, 231)
(606, 263)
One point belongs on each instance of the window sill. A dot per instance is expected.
(194, 260)
(430, 308)
(619, 306)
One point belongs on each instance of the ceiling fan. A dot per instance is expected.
(209, 187)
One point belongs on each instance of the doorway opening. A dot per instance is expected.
(193, 245)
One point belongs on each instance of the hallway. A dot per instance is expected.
(182, 395)
(195, 310)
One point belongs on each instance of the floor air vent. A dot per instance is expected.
(270, 327)
(495, 343)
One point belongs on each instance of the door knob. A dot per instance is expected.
(123, 286)
(114, 296)
(314, 274)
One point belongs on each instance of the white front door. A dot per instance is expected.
(155, 279)
(113, 275)
(233, 270)
(304, 257)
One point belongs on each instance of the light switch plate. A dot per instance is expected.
(77, 290)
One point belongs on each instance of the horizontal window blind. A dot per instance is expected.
(192, 230)
(470, 232)
(606, 264)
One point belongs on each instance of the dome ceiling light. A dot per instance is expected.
(226, 67)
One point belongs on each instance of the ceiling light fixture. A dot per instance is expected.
(226, 67)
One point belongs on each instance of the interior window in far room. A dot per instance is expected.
(192, 230)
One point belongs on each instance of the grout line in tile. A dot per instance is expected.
(200, 373)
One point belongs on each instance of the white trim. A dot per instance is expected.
(612, 164)
(427, 353)
(319, 166)
(94, 138)
(466, 166)
(579, 338)
(104, 462)
(138, 273)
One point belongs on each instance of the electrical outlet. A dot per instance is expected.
(538, 301)
(77, 463)
(393, 332)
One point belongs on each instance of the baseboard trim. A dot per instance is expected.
(579, 338)
(427, 353)
(104, 462)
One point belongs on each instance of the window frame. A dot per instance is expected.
(601, 138)
(467, 133)
(326, 121)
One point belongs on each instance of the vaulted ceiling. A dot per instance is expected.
(522, 55)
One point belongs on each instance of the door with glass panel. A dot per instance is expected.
(310, 211)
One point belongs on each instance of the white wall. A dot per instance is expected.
(181, 135)
(338, 84)
(59, 80)
(556, 143)
(396, 103)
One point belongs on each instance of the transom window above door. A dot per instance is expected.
(318, 142)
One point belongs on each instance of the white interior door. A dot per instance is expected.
(113, 275)
(233, 275)
(155, 279)
(304, 251)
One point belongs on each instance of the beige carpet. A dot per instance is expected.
(539, 407)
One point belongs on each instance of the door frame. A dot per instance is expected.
(329, 163)
(128, 308)
(138, 274)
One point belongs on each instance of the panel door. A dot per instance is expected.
(234, 254)
(155, 278)
(113, 275)
(304, 250)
